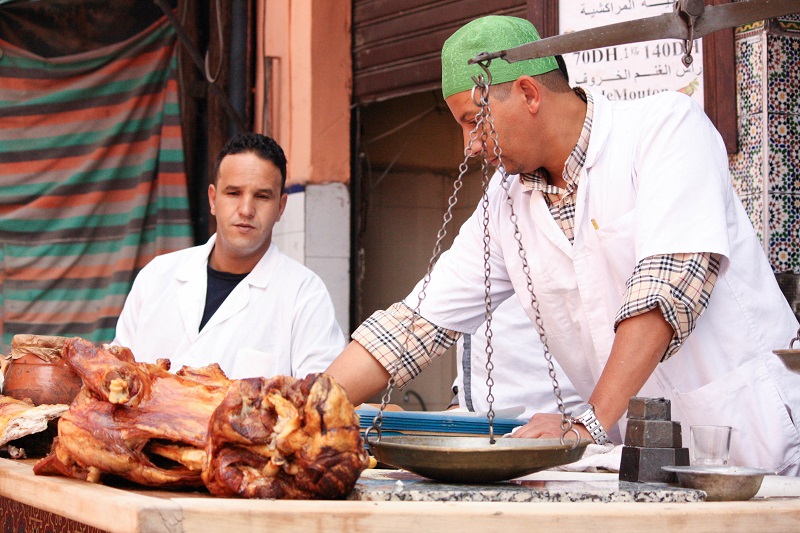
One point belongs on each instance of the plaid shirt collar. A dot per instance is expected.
(537, 180)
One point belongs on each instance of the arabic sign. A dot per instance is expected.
(628, 72)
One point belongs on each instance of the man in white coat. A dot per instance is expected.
(235, 300)
(649, 277)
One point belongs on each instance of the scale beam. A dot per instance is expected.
(690, 20)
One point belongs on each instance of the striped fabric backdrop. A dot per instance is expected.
(92, 182)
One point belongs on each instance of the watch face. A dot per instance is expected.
(582, 410)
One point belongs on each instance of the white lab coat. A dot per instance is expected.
(279, 320)
(520, 372)
(655, 181)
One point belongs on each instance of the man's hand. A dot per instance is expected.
(548, 426)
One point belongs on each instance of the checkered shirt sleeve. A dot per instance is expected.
(678, 284)
(396, 338)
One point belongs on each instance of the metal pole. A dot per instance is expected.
(237, 76)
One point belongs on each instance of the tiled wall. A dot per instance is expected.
(315, 231)
(766, 171)
(289, 233)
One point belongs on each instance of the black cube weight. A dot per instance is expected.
(644, 464)
(649, 408)
(653, 434)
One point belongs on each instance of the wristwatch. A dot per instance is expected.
(584, 415)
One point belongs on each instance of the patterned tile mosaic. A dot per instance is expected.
(789, 24)
(784, 153)
(746, 165)
(746, 29)
(784, 232)
(783, 59)
(779, 42)
(750, 74)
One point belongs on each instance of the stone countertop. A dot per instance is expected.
(399, 485)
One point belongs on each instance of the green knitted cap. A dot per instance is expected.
(489, 34)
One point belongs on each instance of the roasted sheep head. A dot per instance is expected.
(284, 438)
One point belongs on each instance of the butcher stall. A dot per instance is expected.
(139, 448)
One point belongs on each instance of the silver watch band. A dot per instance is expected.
(590, 422)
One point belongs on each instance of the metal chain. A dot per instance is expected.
(482, 85)
(796, 339)
(483, 119)
(377, 422)
(566, 423)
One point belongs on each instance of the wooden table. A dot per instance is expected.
(38, 503)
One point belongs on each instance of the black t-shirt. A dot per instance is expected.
(219, 286)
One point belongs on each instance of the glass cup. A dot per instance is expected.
(709, 445)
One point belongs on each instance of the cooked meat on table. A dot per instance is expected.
(257, 438)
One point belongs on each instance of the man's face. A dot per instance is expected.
(510, 120)
(247, 202)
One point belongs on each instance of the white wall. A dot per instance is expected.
(315, 230)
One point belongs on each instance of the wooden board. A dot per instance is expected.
(96, 505)
(118, 510)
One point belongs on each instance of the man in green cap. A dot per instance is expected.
(628, 219)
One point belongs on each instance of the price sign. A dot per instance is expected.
(628, 72)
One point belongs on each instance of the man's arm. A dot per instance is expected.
(394, 338)
(638, 347)
(639, 344)
(361, 375)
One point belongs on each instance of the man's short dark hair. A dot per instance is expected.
(562, 66)
(264, 147)
(555, 80)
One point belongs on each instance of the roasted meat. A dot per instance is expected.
(284, 438)
(254, 438)
(128, 412)
(19, 418)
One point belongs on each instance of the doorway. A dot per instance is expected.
(408, 150)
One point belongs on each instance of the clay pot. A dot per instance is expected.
(42, 380)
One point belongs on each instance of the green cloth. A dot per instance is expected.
(489, 34)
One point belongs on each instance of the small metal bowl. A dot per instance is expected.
(721, 483)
